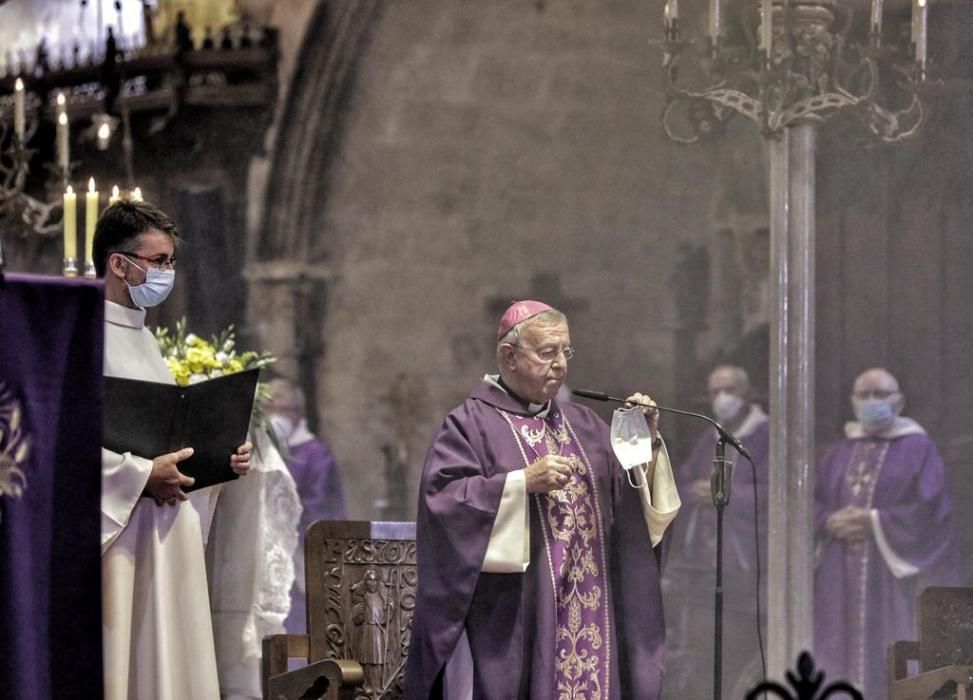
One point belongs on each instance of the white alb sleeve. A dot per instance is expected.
(508, 551)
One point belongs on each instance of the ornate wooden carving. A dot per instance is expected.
(361, 585)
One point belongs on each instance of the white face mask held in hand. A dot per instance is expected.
(632, 442)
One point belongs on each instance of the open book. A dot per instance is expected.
(150, 419)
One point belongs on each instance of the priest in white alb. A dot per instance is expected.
(157, 632)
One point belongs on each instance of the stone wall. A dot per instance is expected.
(495, 151)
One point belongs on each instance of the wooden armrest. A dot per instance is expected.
(278, 649)
(927, 684)
(335, 679)
(899, 656)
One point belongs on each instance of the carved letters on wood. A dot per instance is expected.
(361, 595)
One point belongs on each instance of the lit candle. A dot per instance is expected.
(115, 195)
(70, 225)
(61, 102)
(137, 194)
(19, 118)
(104, 133)
(90, 219)
(919, 23)
(715, 20)
(876, 17)
(63, 144)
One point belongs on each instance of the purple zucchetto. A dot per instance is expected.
(519, 312)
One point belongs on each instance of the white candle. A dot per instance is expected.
(715, 20)
(90, 219)
(919, 14)
(70, 224)
(876, 17)
(63, 143)
(19, 118)
(766, 26)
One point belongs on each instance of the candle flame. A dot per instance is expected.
(60, 99)
(62, 119)
(137, 194)
(69, 190)
(91, 184)
(19, 85)
(104, 131)
(922, 3)
(114, 191)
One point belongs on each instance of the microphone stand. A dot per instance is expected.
(720, 481)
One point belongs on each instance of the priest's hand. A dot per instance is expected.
(548, 474)
(166, 481)
(240, 460)
(651, 414)
(849, 523)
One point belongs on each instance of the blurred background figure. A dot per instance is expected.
(884, 527)
(315, 474)
(692, 559)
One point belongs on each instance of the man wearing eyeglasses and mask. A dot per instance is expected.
(157, 632)
(538, 561)
(883, 524)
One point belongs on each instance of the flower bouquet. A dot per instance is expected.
(193, 359)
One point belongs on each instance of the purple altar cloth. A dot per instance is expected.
(51, 356)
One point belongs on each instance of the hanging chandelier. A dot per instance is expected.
(782, 62)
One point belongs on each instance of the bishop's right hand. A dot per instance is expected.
(166, 482)
(548, 474)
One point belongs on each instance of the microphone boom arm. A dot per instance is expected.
(725, 434)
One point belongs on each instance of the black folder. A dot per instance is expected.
(150, 419)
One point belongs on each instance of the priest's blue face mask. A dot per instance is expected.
(156, 287)
(873, 412)
(631, 442)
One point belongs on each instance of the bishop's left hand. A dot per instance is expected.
(651, 414)
(240, 460)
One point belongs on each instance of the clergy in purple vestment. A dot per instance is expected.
(538, 556)
(883, 525)
(691, 567)
(315, 474)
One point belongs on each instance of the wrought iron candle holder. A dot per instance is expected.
(805, 66)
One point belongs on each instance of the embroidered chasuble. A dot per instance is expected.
(865, 590)
(581, 617)
(575, 547)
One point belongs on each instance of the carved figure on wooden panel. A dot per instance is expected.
(371, 615)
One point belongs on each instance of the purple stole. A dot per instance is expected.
(857, 489)
(571, 522)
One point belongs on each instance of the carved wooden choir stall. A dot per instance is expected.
(361, 583)
(944, 650)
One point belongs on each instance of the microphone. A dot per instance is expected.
(725, 434)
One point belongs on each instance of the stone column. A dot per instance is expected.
(791, 508)
(285, 314)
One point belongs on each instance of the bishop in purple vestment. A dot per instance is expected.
(883, 525)
(538, 561)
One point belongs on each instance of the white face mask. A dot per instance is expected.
(283, 426)
(726, 405)
(158, 283)
(631, 440)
